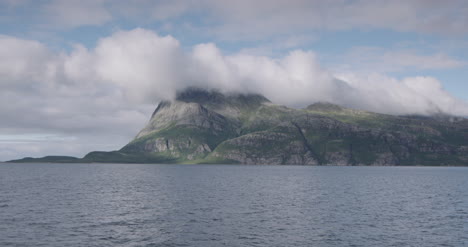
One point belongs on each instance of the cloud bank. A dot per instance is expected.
(141, 67)
(107, 92)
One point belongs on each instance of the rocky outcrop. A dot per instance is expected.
(267, 147)
(208, 126)
(169, 114)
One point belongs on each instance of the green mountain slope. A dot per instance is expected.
(210, 127)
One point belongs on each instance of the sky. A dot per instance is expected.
(79, 76)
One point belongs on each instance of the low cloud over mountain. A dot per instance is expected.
(110, 88)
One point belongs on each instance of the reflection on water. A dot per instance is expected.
(216, 205)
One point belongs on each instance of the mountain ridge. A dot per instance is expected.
(207, 126)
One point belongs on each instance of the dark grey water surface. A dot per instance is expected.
(229, 205)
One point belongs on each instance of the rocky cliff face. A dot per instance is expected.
(202, 126)
(210, 127)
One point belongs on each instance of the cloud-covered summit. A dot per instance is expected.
(109, 90)
(143, 67)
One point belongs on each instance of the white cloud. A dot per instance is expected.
(411, 95)
(139, 59)
(23, 60)
(42, 91)
(106, 94)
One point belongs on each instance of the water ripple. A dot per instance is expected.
(180, 205)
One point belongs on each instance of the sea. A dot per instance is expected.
(232, 205)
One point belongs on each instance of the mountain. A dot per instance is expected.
(206, 126)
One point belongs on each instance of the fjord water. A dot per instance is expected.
(231, 205)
